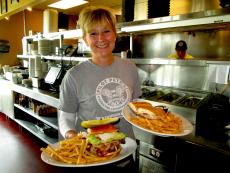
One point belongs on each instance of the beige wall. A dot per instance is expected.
(34, 21)
(13, 31)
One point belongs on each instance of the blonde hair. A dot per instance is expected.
(92, 15)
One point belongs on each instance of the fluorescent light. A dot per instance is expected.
(65, 4)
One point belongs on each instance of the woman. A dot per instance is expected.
(102, 86)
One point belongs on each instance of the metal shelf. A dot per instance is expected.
(31, 128)
(53, 57)
(167, 61)
(70, 34)
(38, 94)
(44, 97)
(51, 121)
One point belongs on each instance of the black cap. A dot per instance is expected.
(181, 45)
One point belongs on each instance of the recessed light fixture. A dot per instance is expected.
(29, 8)
(66, 4)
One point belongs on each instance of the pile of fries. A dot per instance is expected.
(166, 122)
(75, 151)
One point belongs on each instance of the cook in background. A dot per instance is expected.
(101, 86)
(181, 51)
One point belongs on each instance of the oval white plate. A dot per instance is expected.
(127, 149)
(187, 126)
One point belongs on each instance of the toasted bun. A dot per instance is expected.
(144, 109)
(136, 105)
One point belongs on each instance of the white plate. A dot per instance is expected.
(127, 149)
(187, 126)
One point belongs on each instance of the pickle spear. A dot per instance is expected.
(94, 123)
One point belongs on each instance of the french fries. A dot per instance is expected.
(166, 122)
(74, 151)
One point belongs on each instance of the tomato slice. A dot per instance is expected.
(108, 128)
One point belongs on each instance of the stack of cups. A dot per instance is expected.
(31, 67)
(44, 68)
(38, 67)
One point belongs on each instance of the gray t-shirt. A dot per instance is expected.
(94, 92)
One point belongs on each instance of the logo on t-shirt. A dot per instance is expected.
(112, 94)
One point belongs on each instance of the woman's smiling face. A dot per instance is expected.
(101, 39)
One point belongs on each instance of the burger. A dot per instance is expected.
(144, 109)
(103, 137)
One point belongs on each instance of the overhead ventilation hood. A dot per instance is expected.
(210, 19)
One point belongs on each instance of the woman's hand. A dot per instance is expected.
(70, 134)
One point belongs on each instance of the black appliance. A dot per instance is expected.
(213, 116)
(70, 50)
(53, 79)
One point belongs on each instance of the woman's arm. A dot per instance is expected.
(66, 123)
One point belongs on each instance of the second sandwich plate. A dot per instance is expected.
(187, 127)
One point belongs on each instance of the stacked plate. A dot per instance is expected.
(44, 47)
(53, 45)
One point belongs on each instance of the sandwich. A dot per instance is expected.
(154, 118)
(104, 137)
(146, 109)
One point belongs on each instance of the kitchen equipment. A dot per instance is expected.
(156, 153)
(171, 97)
(189, 101)
(53, 79)
(213, 116)
(151, 93)
(53, 75)
(69, 50)
(182, 102)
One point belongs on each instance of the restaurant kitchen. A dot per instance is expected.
(184, 87)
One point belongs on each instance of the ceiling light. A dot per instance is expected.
(65, 4)
(29, 8)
